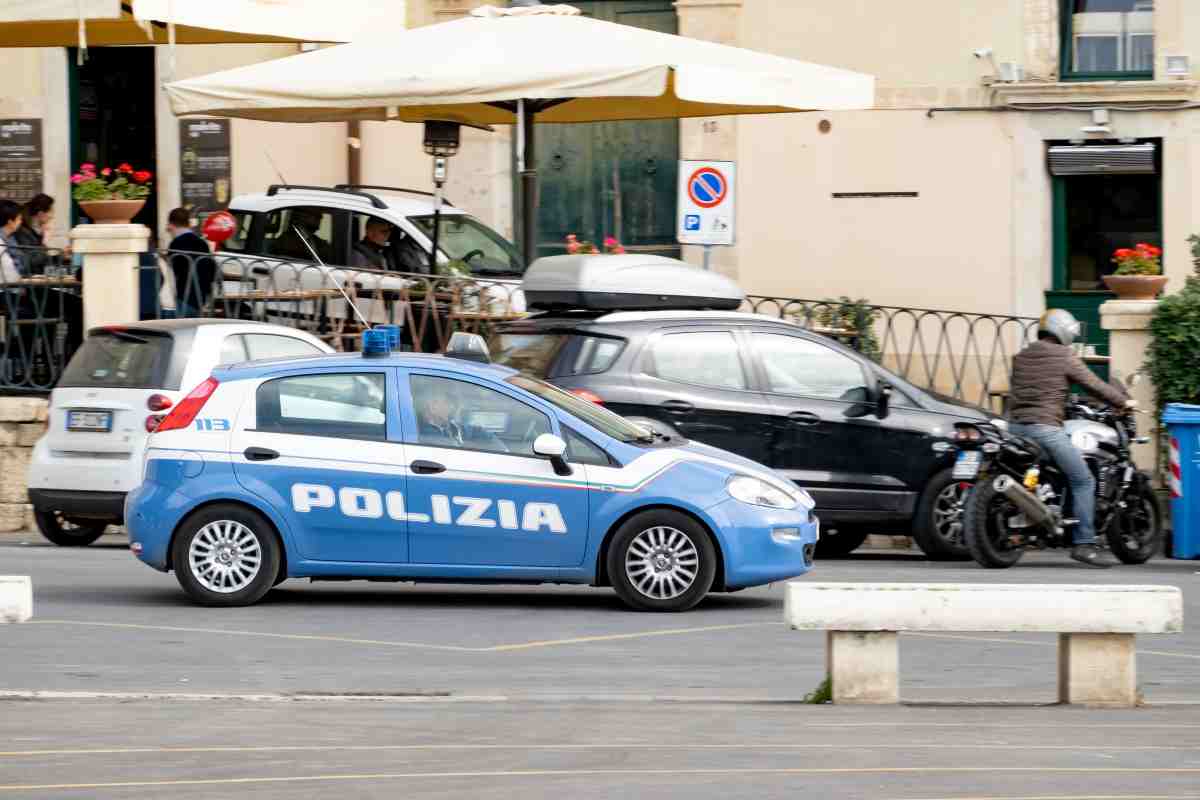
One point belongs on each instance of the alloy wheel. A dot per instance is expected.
(225, 556)
(662, 563)
(948, 509)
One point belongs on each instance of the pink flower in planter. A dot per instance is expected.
(87, 167)
(76, 178)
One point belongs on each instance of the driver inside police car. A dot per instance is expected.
(435, 420)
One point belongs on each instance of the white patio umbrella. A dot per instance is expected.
(518, 66)
(71, 23)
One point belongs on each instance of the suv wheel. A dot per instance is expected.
(938, 526)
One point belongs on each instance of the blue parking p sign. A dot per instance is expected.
(691, 222)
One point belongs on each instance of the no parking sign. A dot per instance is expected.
(706, 211)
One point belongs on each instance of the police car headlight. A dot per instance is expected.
(759, 493)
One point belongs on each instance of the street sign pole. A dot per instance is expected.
(707, 256)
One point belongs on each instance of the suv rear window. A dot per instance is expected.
(120, 360)
(536, 353)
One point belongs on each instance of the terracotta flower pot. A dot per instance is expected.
(111, 212)
(1136, 287)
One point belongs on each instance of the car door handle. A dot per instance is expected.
(678, 407)
(260, 454)
(427, 467)
(803, 418)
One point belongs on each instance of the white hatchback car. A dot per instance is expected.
(116, 388)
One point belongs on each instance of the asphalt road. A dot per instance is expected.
(122, 689)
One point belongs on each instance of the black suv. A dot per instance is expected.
(869, 446)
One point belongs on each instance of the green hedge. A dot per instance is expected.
(1173, 361)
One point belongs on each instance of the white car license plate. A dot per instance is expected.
(95, 421)
(966, 468)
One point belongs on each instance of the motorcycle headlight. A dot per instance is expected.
(1000, 424)
(759, 493)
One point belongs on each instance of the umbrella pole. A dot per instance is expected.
(527, 164)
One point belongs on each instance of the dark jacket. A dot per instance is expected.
(35, 258)
(194, 276)
(1041, 380)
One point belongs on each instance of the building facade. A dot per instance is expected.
(943, 195)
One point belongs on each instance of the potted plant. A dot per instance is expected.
(612, 247)
(1139, 273)
(111, 196)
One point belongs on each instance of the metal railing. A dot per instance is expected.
(962, 355)
(41, 319)
(318, 299)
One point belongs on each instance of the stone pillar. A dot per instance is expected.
(110, 271)
(711, 138)
(1129, 324)
(863, 667)
(1097, 669)
(22, 423)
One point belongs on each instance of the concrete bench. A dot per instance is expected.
(16, 598)
(1096, 627)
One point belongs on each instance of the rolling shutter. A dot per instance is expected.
(1115, 159)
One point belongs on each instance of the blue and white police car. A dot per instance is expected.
(397, 466)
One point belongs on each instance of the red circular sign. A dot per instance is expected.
(707, 187)
(219, 226)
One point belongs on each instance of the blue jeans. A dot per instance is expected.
(1083, 485)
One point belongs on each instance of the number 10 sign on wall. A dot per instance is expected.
(706, 210)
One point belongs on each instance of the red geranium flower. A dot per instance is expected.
(125, 168)
(1124, 252)
(141, 176)
(106, 172)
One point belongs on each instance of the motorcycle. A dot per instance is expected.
(1020, 498)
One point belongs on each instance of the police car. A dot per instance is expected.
(398, 466)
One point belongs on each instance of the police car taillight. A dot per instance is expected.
(158, 402)
(185, 413)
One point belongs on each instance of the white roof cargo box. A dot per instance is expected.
(627, 282)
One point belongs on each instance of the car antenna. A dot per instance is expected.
(329, 275)
(275, 167)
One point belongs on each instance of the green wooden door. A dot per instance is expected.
(611, 178)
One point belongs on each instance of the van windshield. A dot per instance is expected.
(466, 239)
(119, 359)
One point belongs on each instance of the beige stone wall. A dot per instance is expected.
(22, 423)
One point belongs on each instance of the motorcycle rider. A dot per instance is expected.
(1041, 380)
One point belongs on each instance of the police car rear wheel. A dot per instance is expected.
(226, 556)
(661, 561)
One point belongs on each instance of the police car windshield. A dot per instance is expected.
(598, 417)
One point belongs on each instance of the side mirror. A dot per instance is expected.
(553, 448)
(469, 347)
(883, 400)
(863, 402)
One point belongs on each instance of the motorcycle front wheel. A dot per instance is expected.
(985, 527)
(1135, 532)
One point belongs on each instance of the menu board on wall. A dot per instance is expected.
(20, 159)
(204, 165)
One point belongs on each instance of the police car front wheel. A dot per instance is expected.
(226, 555)
(661, 560)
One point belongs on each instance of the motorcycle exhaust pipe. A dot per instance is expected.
(1034, 510)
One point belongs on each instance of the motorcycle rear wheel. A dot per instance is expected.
(986, 530)
(1135, 533)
